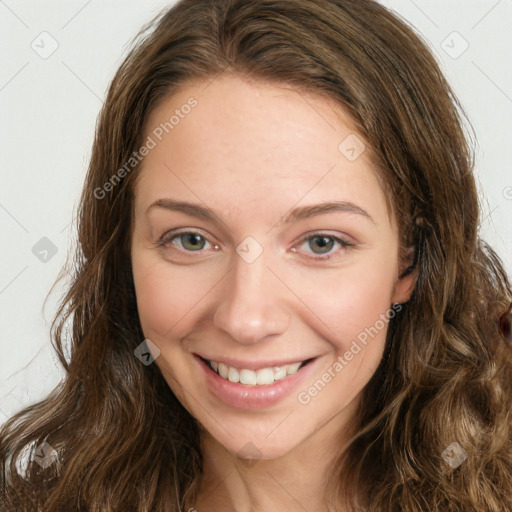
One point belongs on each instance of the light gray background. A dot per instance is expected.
(49, 104)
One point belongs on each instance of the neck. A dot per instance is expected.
(293, 481)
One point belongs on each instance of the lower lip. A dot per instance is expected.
(243, 396)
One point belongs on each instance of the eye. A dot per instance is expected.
(323, 245)
(189, 241)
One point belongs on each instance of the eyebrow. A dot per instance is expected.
(305, 212)
(191, 209)
(300, 213)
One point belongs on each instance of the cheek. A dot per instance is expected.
(352, 299)
(166, 296)
(356, 307)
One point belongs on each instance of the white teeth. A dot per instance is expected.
(280, 373)
(248, 377)
(261, 377)
(265, 376)
(293, 368)
(223, 370)
(233, 374)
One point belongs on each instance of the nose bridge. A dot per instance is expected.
(251, 307)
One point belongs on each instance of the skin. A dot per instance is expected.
(251, 152)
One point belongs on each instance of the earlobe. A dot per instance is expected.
(406, 281)
(404, 287)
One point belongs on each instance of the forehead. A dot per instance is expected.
(252, 144)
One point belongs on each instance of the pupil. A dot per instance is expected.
(323, 243)
(192, 241)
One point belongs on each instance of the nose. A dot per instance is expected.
(251, 307)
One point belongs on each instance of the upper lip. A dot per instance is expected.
(254, 364)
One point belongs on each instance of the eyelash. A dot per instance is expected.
(344, 245)
(167, 238)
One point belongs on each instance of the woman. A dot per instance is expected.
(280, 297)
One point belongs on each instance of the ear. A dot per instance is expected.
(408, 274)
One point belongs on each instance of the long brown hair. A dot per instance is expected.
(124, 442)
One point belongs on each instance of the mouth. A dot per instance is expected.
(264, 376)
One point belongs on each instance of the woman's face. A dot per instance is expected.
(262, 241)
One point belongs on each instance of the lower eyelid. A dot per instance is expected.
(344, 246)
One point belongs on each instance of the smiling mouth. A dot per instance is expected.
(260, 377)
